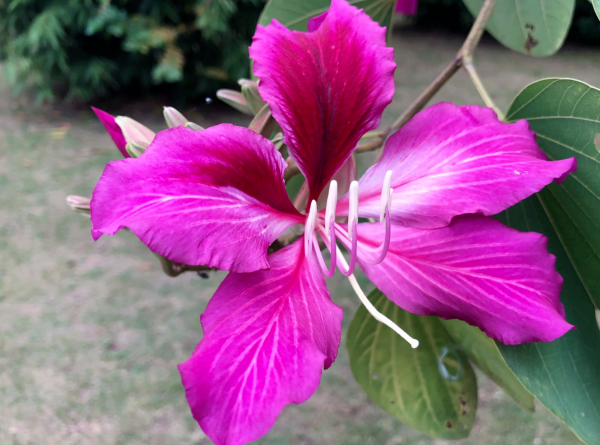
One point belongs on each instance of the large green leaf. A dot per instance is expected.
(565, 114)
(294, 14)
(482, 351)
(534, 27)
(596, 4)
(565, 374)
(431, 388)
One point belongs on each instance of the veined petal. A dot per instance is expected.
(450, 160)
(477, 270)
(214, 197)
(113, 129)
(267, 337)
(344, 177)
(326, 88)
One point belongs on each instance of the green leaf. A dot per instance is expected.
(565, 374)
(533, 27)
(565, 114)
(431, 388)
(596, 4)
(482, 351)
(294, 14)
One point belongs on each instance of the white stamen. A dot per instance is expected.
(309, 227)
(353, 207)
(331, 204)
(386, 195)
(372, 310)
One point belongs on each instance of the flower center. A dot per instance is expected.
(330, 231)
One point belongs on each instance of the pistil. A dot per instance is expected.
(329, 231)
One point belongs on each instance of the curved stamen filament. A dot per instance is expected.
(353, 247)
(375, 313)
(309, 228)
(381, 251)
(386, 195)
(353, 207)
(331, 205)
(332, 249)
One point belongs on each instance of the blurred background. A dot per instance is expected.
(90, 333)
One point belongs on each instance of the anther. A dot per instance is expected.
(386, 195)
(353, 208)
(309, 227)
(331, 205)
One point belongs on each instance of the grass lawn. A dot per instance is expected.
(91, 333)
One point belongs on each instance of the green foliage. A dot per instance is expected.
(431, 388)
(482, 351)
(295, 15)
(84, 49)
(454, 16)
(563, 374)
(532, 27)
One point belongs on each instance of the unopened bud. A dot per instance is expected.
(136, 148)
(193, 126)
(251, 94)
(236, 100)
(174, 118)
(80, 204)
(133, 130)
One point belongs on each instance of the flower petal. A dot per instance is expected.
(450, 160)
(477, 270)
(267, 336)
(326, 88)
(113, 130)
(214, 197)
(407, 7)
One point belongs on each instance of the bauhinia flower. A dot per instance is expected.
(217, 197)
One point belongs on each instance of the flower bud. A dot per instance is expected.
(136, 148)
(174, 118)
(236, 100)
(252, 96)
(193, 126)
(80, 204)
(134, 131)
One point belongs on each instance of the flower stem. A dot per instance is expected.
(468, 64)
(465, 54)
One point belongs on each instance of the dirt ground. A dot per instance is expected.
(90, 333)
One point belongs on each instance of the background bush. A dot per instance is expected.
(83, 49)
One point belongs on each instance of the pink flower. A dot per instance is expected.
(407, 7)
(217, 197)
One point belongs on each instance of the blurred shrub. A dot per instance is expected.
(83, 49)
(452, 15)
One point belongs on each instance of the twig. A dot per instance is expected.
(465, 54)
(291, 170)
(468, 64)
(174, 269)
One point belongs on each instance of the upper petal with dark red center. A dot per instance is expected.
(327, 87)
(267, 337)
(214, 197)
(450, 160)
(476, 270)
